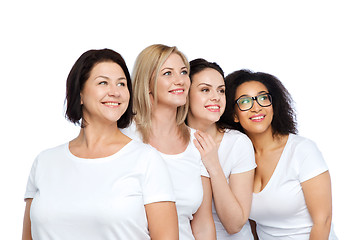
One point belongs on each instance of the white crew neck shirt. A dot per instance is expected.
(280, 209)
(236, 155)
(185, 170)
(103, 198)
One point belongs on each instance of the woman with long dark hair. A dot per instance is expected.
(292, 187)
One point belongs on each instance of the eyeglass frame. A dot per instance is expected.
(253, 100)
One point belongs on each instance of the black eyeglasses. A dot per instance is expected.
(246, 103)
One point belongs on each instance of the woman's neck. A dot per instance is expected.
(198, 124)
(166, 135)
(267, 142)
(208, 127)
(163, 121)
(98, 140)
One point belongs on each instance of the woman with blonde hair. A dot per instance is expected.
(161, 84)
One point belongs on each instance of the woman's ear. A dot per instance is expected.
(236, 119)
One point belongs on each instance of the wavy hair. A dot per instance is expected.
(284, 119)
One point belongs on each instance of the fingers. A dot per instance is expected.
(200, 139)
(205, 140)
(208, 149)
(199, 147)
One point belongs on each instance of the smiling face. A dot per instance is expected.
(207, 98)
(256, 120)
(173, 82)
(105, 96)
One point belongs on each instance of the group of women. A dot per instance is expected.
(178, 152)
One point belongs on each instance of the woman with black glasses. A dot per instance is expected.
(292, 187)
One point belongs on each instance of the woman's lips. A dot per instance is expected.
(177, 91)
(213, 108)
(257, 118)
(111, 104)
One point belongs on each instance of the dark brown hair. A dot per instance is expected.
(80, 73)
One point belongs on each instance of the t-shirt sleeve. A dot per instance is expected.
(242, 155)
(31, 187)
(157, 185)
(311, 162)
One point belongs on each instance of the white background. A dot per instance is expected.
(311, 46)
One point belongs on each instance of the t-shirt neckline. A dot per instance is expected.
(116, 155)
(268, 185)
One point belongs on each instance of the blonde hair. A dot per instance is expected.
(145, 76)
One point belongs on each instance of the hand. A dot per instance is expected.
(208, 150)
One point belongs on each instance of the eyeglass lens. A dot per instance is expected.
(246, 103)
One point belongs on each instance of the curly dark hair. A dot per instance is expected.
(284, 120)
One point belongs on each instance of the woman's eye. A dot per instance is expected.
(205, 90)
(103, 83)
(184, 72)
(167, 73)
(222, 91)
(244, 101)
(263, 97)
(121, 84)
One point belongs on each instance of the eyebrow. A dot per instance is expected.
(245, 95)
(184, 67)
(101, 76)
(206, 84)
(209, 85)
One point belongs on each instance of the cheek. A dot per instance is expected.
(242, 121)
(86, 96)
(127, 93)
(187, 82)
(222, 104)
(223, 100)
(194, 100)
(160, 84)
(270, 115)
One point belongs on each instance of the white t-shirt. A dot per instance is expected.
(236, 155)
(279, 209)
(103, 198)
(185, 170)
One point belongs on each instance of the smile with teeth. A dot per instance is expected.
(111, 103)
(177, 91)
(213, 107)
(257, 117)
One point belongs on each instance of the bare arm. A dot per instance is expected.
(162, 220)
(202, 225)
(317, 192)
(26, 235)
(232, 201)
